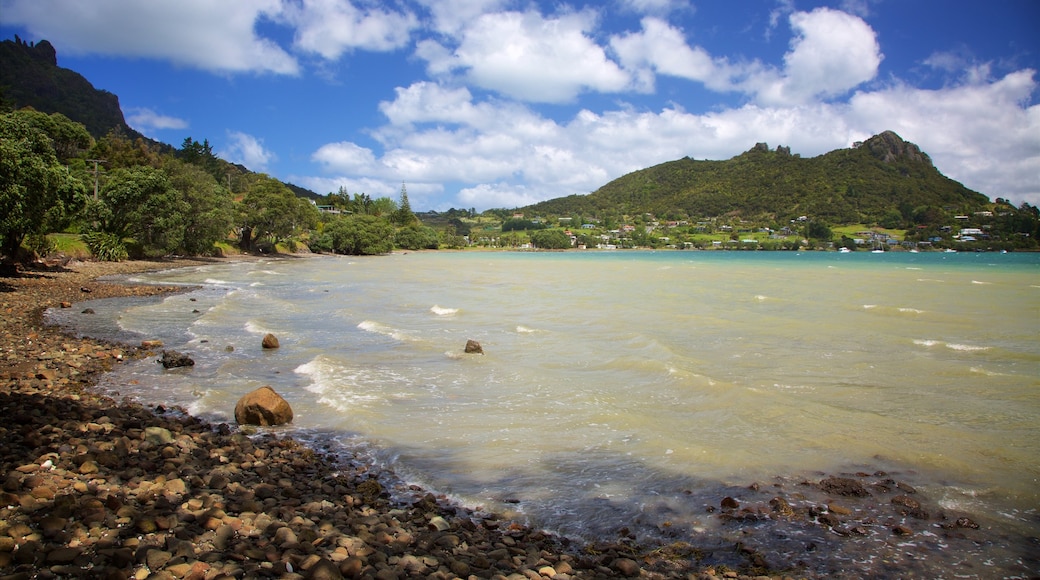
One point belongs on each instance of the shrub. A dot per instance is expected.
(105, 247)
(39, 244)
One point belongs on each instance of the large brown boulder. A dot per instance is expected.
(270, 341)
(263, 407)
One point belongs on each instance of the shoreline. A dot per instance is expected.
(115, 490)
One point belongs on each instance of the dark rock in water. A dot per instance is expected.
(910, 507)
(473, 347)
(172, 359)
(781, 506)
(270, 341)
(87, 311)
(263, 407)
(843, 486)
(730, 503)
(967, 523)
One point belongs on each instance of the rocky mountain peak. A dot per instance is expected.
(888, 146)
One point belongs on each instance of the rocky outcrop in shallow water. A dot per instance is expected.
(263, 407)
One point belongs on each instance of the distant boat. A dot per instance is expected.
(844, 250)
(877, 251)
(951, 251)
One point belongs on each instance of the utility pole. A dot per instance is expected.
(96, 161)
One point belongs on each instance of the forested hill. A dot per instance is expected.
(857, 185)
(30, 77)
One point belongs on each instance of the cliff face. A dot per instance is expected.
(889, 147)
(30, 77)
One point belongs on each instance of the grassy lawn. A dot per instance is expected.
(70, 245)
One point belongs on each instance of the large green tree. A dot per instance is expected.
(34, 186)
(359, 235)
(271, 210)
(141, 203)
(416, 237)
(550, 239)
(209, 214)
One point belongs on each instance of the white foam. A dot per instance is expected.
(980, 282)
(761, 298)
(255, 327)
(525, 330)
(966, 347)
(379, 328)
(869, 306)
(927, 342)
(441, 311)
(216, 282)
(911, 310)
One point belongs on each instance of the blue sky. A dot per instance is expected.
(502, 103)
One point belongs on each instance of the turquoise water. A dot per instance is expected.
(624, 389)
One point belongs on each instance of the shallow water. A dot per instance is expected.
(632, 389)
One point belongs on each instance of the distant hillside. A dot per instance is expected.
(30, 77)
(845, 186)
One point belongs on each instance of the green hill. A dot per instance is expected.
(862, 184)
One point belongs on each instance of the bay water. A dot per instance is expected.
(631, 390)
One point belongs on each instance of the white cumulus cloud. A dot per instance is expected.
(247, 150)
(214, 36)
(333, 27)
(148, 121)
(526, 56)
(832, 53)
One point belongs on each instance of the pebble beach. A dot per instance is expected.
(99, 488)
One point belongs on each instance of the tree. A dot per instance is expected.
(68, 138)
(33, 184)
(141, 203)
(818, 230)
(210, 211)
(269, 209)
(403, 216)
(416, 237)
(550, 239)
(360, 235)
(451, 239)
(383, 207)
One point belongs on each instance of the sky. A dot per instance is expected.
(501, 103)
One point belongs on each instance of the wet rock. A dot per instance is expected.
(172, 359)
(730, 503)
(843, 486)
(966, 523)
(909, 507)
(263, 407)
(473, 347)
(87, 311)
(151, 343)
(269, 342)
(626, 566)
(780, 506)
